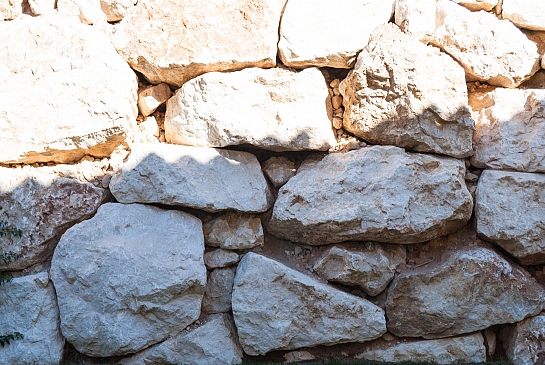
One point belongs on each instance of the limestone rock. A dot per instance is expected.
(509, 129)
(278, 308)
(471, 289)
(510, 211)
(275, 109)
(117, 292)
(372, 271)
(42, 205)
(524, 341)
(220, 258)
(217, 298)
(10, 9)
(416, 17)
(295, 356)
(152, 97)
(375, 193)
(458, 350)
(42, 7)
(338, 31)
(279, 170)
(476, 5)
(404, 93)
(212, 343)
(116, 10)
(524, 13)
(86, 11)
(174, 41)
(195, 177)
(28, 306)
(233, 231)
(79, 96)
(488, 49)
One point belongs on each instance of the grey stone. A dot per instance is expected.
(234, 231)
(220, 258)
(217, 298)
(524, 341)
(279, 170)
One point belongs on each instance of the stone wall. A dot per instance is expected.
(214, 182)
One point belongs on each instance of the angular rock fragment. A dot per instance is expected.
(510, 124)
(217, 298)
(416, 17)
(338, 31)
(274, 109)
(524, 13)
(10, 9)
(488, 49)
(174, 41)
(65, 92)
(86, 11)
(117, 292)
(220, 258)
(510, 211)
(42, 7)
(41, 205)
(28, 306)
(524, 341)
(195, 177)
(213, 342)
(278, 308)
(279, 170)
(476, 5)
(471, 289)
(116, 10)
(376, 193)
(372, 271)
(233, 231)
(152, 97)
(417, 101)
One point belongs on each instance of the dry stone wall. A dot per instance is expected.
(219, 182)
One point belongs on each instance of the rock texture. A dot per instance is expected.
(118, 293)
(510, 211)
(416, 17)
(28, 306)
(116, 10)
(278, 308)
(279, 170)
(217, 298)
(524, 341)
(458, 350)
(233, 231)
(332, 28)
(404, 93)
(524, 13)
(10, 9)
(42, 205)
(42, 7)
(509, 125)
(220, 258)
(372, 271)
(49, 68)
(275, 109)
(163, 39)
(376, 193)
(174, 175)
(86, 11)
(150, 98)
(212, 343)
(488, 49)
(470, 290)
(476, 5)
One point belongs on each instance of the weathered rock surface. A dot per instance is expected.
(376, 193)
(404, 93)
(509, 131)
(152, 97)
(213, 343)
(42, 7)
(163, 39)
(50, 68)
(338, 30)
(372, 271)
(28, 306)
(220, 258)
(117, 292)
(116, 10)
(233, 231)
(476, 5)
(42, 205)
(10, 9)
(279, 170)
(416, 17)
(175, 175)
(278, 308)
(458, 350)
(217, 298)
(510, 211)
(488, 49)
(86, 11)
(524, 13)
(524, 341)
(275, 109)
(471, 289)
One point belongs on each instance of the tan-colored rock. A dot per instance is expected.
(295, 356)
(524, 341)
(234, 231)
(416, 17)
(538, 38)
(174, 41)
(527, 14)
(329, 33)
(79, 96)
(86, 11)
(219, 286)
(469, 290)
(278, 170)
(510, 211)
(150, 98)
(220, 258)
(509, 125)
(378, 193)
(10, 9)
(488, 49)
(476, 5)
(116, 10)
(275, 109)
(417, 101)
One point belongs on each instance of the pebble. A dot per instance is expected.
(337, 123)
(337, 101)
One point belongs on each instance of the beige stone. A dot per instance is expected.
(476, 5)
(524, 341)
(86, 11)
(42, 7)
(116, 10)
(10, 9)
(150, 98)
(527, 14)
(416, 17)
(234, 231)
(295, 356)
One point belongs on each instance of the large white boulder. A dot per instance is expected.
(128, 278)
(275, 109)
(66, 93)
(278, 308)
(527, 14)
(524, 341)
